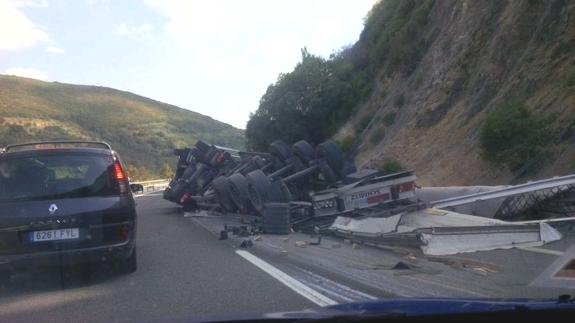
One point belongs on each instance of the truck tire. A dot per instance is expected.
(327, 173)
(178, 189)
(281, 150)
(259, 187)
(276, 218)
(239, 192)
(221, 187)
(279, 192)
(329, 151)
(304, 151)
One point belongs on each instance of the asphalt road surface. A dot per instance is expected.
(183, 272)
(186, 272)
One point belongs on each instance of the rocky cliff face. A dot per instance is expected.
(473, 56)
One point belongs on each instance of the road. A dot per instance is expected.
(184, 271)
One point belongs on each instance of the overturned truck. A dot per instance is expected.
(323, 180)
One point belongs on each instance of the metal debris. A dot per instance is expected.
(441, 232)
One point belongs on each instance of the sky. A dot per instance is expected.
(215, 57)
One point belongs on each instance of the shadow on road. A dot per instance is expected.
(42, 279)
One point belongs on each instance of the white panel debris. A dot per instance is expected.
(441, 232)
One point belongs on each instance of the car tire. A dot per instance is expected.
(128, 265)
(304, 151)
(5, 277)
(239, 192)
(221, 187)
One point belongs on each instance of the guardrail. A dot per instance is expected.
(506, 191)
(153, 185)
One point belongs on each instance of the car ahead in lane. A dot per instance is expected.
(65, 203)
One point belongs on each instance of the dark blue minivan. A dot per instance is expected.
(66, 200)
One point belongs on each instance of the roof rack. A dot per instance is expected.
(56, 144)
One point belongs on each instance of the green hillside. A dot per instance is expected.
(462, 92)
(142, 130)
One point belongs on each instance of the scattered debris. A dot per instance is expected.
(246, 244)
(401, 266)
(258, 238)
(466, 264)
(285, 240)
(336, 245)
(441, 232)
(301, 244)
(410, 257)
(283, 253)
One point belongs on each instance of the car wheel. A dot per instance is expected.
(5, 277)
(128, 265)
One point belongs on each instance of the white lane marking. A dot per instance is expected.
(287, 280)
(148, 194)
(543, 251)
(358, 296)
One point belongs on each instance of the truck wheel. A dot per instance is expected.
(221, 187)
(276, 218)
(259, 162)
(239, 192)
(281, 150)
(304, 151)
(327, 173)
(279, 192)
(178, 190)
(329, 151)
(259, 186)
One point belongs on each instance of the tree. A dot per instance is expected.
(132, 172)
(511, 136)
(166, 171)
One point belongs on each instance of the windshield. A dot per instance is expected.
(199, 159)
(55, 176)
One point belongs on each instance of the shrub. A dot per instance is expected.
(346, 143)
(569, 81)
(392, 166)
(399, 101)
(377, 135)
(389, 119)
(364, 122)
(383, 94)
(510, 136)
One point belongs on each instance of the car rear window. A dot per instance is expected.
(50, 176)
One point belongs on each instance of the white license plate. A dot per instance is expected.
(58, 234)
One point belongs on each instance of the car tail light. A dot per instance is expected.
(120, 178)
(124, 232)
(118, 172)
(404, 187)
